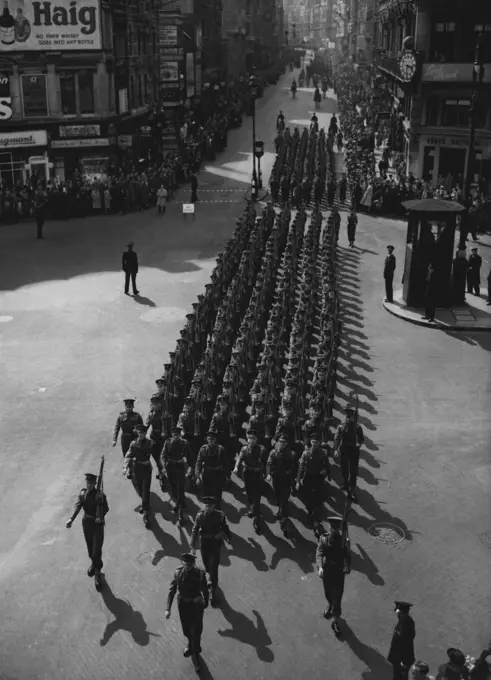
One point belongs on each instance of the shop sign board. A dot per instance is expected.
(51, 25)
(79, 143)
(80, 130)
(168, 36)
(15, 140)
(5, 98)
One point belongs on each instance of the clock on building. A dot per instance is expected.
(407, 66)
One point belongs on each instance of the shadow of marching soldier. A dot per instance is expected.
(246, 631)
(125, 618)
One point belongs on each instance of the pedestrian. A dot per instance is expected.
(454, 668)
(210, 467)
(333, 559)
(251, 465)
(352, 222)
(430, 292)
(176, 457)
(420, 671)
(189, 582)
(348, 440)
(162, 195)
(389, 269)
(280, 470)
(40, 200)
(459, 276)
(211, 527)
(401, 653)
(130, 268)
(138, 468)
(126, 421)
(95, 507)
(194, 187)
(474, 273)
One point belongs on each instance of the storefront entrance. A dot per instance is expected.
(451, 161)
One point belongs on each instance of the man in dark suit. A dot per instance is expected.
(474, 273)
(401, 653)
(389, 269)
(130, 268)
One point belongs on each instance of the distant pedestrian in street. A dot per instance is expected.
(389, 269)
(352, 222)
(333, 559)
(162, 195)
(40, 200)
(430, 292)
(189, 582)
(454, 668)
(194, 187)
(474, 273)
(95, 507)
(401, 653)
(459, 277)
(130, 268)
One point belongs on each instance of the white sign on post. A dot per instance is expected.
(188, 208)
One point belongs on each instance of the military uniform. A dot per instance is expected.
(252, 464)
(333, 556)
(211, 527)
(175, 459)
(126, 422)
(95, 507)
(154, 424)
(189, 582)
(210, 469)
(401, 653)
(312, 471)
(223, 423)
(281, 466)
(347, 440)
(138, 467)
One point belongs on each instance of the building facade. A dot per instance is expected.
(76, 86)
(430, 115)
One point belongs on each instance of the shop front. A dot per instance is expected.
(88, 149)
(442, 158)
(24, 157)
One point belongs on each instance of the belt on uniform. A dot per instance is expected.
(142, 462)
(199, 598)
(214, 468)
(252, 469)
(175, 462)
(216, 537)
(89, 516)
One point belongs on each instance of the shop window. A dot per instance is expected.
(456, 113)
(443, 41)
(86, 91)
(68, 93)
(432, 108)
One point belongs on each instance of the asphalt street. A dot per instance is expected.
(73, 346)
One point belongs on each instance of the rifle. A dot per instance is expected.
(344, 531)
(100, 493)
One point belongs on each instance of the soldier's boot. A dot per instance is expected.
(187, 650)
(328, 612)
(336, 628)
(257, 525)
(180, 517)
(351, 494)
(213, 597)
(90, 570)
(98, 580)
(146, 520)
(284, 526)
(250, 512)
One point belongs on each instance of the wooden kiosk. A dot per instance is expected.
(430, 238)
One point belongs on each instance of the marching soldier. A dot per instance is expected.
(189, 582)
(401, 653)
(212, 528)
(280, 469)
(347, 442)
(210, 467)
(188, 424)
(260, 422)
(138, 468)
(95, 507)
(251, 465)
(333, 558)
(175, 459)
(154, 424)
(312, 471)
(223, 423)
(126, 422)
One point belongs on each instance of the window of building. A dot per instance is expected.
(443, 41)
(132, 93)
(140, 90)
(432, 110)
(68, 93)
(86, 91)
(147, 93)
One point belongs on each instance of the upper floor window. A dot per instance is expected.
(443, 41)
(68, 93)
(86, 91)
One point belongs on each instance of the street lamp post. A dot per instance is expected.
(477, 78)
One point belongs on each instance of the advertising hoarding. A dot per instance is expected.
(168, 36)
(169, 71)
(50, 25)
(17, 139)
(190, 74)
(5, 98)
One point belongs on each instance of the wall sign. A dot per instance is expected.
(80, 130)
(78, 143)
(5, 99)
(21, 139)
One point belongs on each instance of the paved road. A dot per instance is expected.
(73, 346)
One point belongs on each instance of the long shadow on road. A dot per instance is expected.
(125, 618)
(247, 631)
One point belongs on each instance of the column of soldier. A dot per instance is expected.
(264, 334)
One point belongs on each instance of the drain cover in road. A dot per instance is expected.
(387, 533)
(486, 539)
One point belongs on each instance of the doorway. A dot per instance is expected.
(451, 161)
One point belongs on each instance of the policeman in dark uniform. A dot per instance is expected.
(95, 507)
(175, 460)
(251, 466)
(333, 559)
(347, 442)
(313, 469)
(138, 468)
(189, 582)
(212, 528)
(126, 422)
(401, 653)
(389, 269)
(280, 469)
(210, 467)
